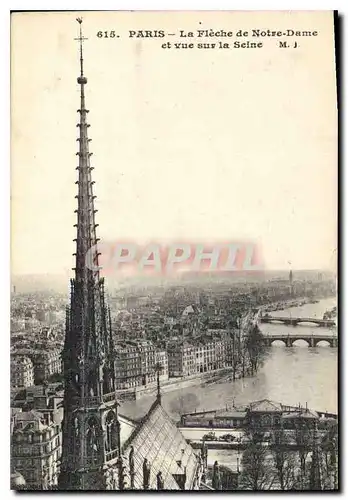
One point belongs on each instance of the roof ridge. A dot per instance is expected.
(139, 426)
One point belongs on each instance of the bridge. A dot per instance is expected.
(290, 338)
(287, 320)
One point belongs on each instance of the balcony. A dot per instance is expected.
(109, 397)
(110, 455)
(91, 401)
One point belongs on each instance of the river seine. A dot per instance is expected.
(290, 375)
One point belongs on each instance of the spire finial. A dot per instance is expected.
(82, 79)
(158, 370)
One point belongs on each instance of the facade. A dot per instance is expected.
(135, 363)
(22, 372)
(207, 355)
(36, 449)
(161, 359)
(260, 416)
(181, 359)
(46, 360)
(148, 361)
(46, 363)
(127, 365)
(222, 418)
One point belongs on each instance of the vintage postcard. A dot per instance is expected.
(174, 320)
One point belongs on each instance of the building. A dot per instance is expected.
(161, 359)
(46, 363)
(135, 363)
(128, 365)
(46, 360)
(181, 359)
(262, 416)
(22, 371)
(148, 360)
(208, 354)
(36, 449)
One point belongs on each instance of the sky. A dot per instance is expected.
(188, 144)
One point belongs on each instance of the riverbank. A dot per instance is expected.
(288, 304)
(200, 379)
(290, 374)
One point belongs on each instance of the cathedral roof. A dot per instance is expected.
(160, 441)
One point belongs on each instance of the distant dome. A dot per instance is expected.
(17, 480)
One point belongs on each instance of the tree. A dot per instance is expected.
(329, 458)
(304, 440)
(254, 344)
(285, 463)
(257, 473)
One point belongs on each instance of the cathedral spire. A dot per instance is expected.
(81, 39)
(90, 424)
(86, 241)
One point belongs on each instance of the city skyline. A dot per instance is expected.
(271, 192)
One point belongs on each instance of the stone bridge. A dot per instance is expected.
(290, 338)
(293, 321)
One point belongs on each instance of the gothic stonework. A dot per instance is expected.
(91, 442)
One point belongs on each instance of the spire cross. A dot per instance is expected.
(80, 39)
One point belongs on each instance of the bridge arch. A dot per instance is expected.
(323, 343)
(278, 343)
(299, 339)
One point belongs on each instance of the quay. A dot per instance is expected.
(174, 384)
(223, 445)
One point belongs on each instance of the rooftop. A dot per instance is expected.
(160, 441)
(265, 405)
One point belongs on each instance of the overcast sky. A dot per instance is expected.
(187, 144)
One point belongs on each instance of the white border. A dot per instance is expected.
(78, 5)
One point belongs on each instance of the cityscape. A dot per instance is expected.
(171, 385)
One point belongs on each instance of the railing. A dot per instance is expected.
(109, 397)
(110, 455)
(97, 400)
(91, 401)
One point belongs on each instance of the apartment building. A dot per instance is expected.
(22, 371)
(36, 448)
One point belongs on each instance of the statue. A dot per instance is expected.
(160, 482)
(131, 460)
(146, 474)
(216, 476)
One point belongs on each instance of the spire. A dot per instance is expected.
(158, 370)
(88, 445)
(81, 39)
(86, 228)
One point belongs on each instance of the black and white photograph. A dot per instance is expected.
(174, 310)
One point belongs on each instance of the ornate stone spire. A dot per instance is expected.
(90, 426)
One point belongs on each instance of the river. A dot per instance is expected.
(290, 375)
